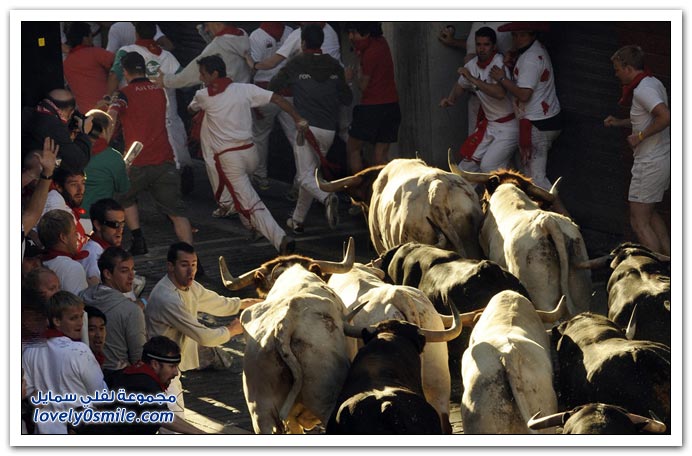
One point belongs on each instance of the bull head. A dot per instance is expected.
(559, 419)
(269, 268)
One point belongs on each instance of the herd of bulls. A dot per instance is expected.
(360, 348)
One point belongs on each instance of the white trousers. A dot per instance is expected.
(541, 141)
(496, 149)
(262, 127)
(306, 164)
(225, 199)
(237, 166)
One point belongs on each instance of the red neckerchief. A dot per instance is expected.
(273, 29)
(79, 46)
(628, 89)
(50, 333)
(52, 253)
(46, 106)
(218, 85)
(98, 146)
(312, 51)
(140, 367)
(151, 45)
(361, 45)
(95, 237)
(100, 358)
(230, 30)
(483, 65)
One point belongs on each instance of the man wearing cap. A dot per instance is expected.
(535, 100)
(650, 140)
(496, 134)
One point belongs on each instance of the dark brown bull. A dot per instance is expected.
(598, 419)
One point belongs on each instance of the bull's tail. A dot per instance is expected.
(444, 237)
(533, 395)
(551, 226)
(283, 334)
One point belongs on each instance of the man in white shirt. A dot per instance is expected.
(172, 312)
(123, 33)
(650, 140)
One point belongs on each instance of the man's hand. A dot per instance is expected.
(633, 140)
(497, 73)
(48, 157)
(235, 328)
(446, 102)
(610, 121)
(247, 302)
(302, 124)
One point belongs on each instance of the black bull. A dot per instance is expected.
(447, 279)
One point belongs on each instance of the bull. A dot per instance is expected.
(641, 280)
(595, 362)
(598, 419)
(296, 354)
(363, 284)
(383, 393)
(506, 370)
(539, 247)
(407, 200)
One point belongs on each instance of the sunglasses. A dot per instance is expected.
(113, 224)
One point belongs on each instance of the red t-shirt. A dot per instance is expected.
(376, 62)
(86, 71)
(141, 108)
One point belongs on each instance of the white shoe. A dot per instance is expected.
(222, 212)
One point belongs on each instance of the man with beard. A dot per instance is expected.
(125, 325)
(172, 312)
(67, 195)
(496, 135)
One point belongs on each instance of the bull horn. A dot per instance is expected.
(474, 178)
(357, 308)
(353, 331)
(594, 263)
(538, 192)
(231, 282)
(333, 267)
(661, 257)
(632, 324)
(337, 185)
(446, 334)
(556, 184)
(652, 425)
(467, 319)
(556, 419)
(555, 314)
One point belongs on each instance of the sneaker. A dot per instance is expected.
(288, 245)
(298, 228)
(331, 206)
(223, 212)
(138, 247)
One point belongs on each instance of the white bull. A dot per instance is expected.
(363, 284)
(540, 247)
(296, 356)
(407, 200)
(507, 371)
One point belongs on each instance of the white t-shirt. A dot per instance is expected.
(504, 39)
(263, 45)
(64, 367)
(228, 115)
(123, 33)
(70, 273)
(649, 93)
(534, 70)
(330, 45)
(90, 263)
(494, 109)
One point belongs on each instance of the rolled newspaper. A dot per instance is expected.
(132, 152)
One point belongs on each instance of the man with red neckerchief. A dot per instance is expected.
(496, 135)
(108, 218)
(650, 140)
(227, 135)
(535, 100)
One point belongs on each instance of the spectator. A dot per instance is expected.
(376, 119)
(97, 333)
(32, 258)
(650, 140)
(67, 195)
(496, 135)
(55, 117)
(125, 326)
(61, 364)
(535, 101)
(58, 234)
(317, 98)
(86, 67)
(108, 219)
(227, 136)
(141, 108)
(172, 312)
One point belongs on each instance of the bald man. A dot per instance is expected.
(54, 117)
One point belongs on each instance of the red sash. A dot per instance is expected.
(326, 166)
(225, 182)
(471, 144)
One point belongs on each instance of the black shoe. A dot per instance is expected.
(138, 247)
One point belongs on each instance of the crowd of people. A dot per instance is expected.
(85, 327)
